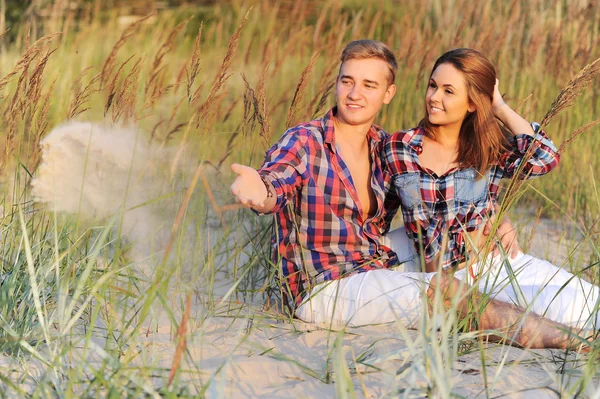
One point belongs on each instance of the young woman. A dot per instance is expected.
(447, 172)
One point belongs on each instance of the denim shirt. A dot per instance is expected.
(437, 210)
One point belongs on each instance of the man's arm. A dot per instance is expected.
(252, 191)
(283, 171)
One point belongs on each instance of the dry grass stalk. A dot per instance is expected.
(231, 207)
(6, 80)
(222, 75)
(42, 118)
(229, 147)
(4, 33)
(28, 37)
(300, 92)
(40, 44)
(214, 111)
(250, 102)
(156, 88)
(180, 76)
(248, 53)
(22, 64)
(173, 131)
(291, 44)
(567, 96)
(109, 64)
(422, 68)
(157, 91)
(536, 222)
(83, 94)
(125, 101)
(565, 99)
(229, 111)
(318, 30)
(174, 111)
(35, 154)
(255, 110)
(190, 76)
(374, 24)
(576, 133)
(9, 142)
(181, 212)
(182, 339)
(183, 207)
(20, 100)
(167, 46)
(34, 88)
(181, 149)
(263, 109)
(155, 128)
(326, 84)
(323, 100)
(112, 88)
(522, 102)
(212, 198)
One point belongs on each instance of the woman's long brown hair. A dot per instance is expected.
(482, 139)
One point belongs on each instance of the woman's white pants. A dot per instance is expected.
(399, 294)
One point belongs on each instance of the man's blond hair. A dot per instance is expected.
(363, 49)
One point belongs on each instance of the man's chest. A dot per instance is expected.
(347, 184)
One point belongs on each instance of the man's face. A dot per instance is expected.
(361, 90)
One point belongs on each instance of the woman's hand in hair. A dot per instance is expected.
(497, 100)
(513, 121)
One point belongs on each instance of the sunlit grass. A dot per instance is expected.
(84, 312)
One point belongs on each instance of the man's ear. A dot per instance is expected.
(389, 94)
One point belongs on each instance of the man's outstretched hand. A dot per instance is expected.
(249, 189)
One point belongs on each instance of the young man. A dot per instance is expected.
(324, 182)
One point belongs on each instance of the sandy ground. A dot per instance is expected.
(290, 360)
(285, 360)
(255, 356)
(243, 353)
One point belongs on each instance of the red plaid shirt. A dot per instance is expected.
(434, 207)
(320, 233)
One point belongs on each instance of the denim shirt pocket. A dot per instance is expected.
(407, 188)
(469, 187)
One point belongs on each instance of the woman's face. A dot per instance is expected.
(447, 101)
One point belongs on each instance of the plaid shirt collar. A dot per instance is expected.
(414, 139)
(375, 134)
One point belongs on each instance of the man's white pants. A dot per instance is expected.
(399, 294)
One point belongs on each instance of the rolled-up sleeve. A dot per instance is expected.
(538, 152)
(285, 167)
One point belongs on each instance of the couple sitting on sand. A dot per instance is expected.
(335, 183)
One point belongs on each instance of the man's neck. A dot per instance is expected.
(353, 135)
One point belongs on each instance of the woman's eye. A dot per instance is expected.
(449, 91)
(432, 85)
